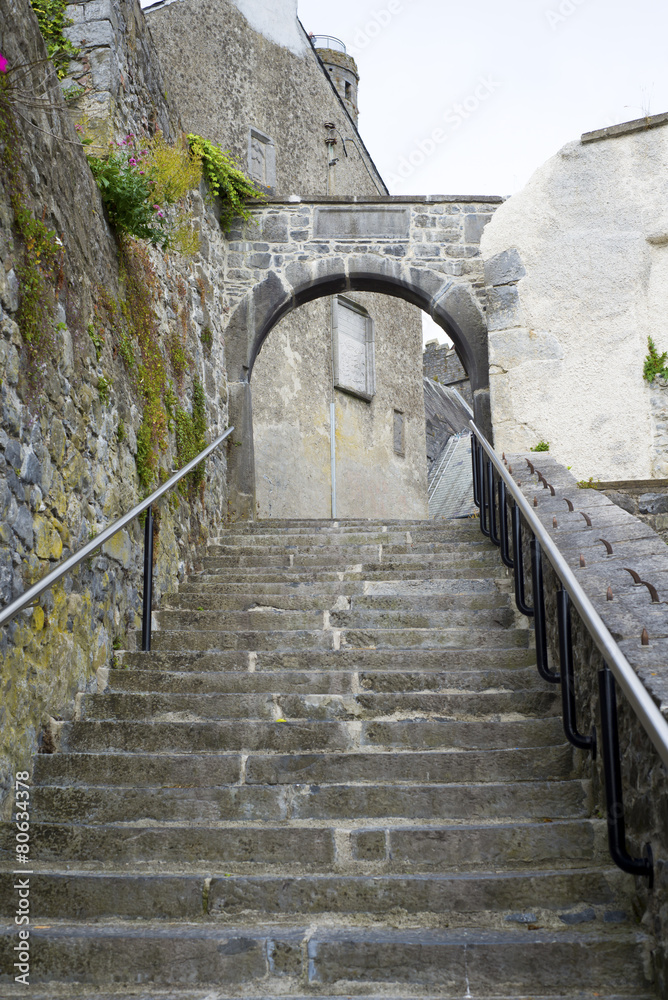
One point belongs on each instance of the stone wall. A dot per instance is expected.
(442, 363)
(270, 80)
(291, 417)
(71, 407)
(577, 269)
(635, 545)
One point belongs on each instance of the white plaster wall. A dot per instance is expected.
(277, 21)
(568, 339)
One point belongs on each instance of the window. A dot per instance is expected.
(262, 159)
(399, 447)
(349, 91)
(353, 348)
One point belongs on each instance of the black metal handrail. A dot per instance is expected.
(29, 597)
(615, 665)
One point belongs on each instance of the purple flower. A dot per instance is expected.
(3, 64)
(132, 161)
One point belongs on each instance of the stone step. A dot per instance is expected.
(296, 846)
(377, 660)
(279, 619)
(332, 682)
(439, 565)
(197, 637)
(280, 960)
(207, 583)
(398, 544)
(373, 556)
(291, 706)
(273, 803)
(305, 736)
(358, 572)
(190, 770)
(276, 618)
(559, 898)
(204, 600)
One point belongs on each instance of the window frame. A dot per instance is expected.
(341, 301)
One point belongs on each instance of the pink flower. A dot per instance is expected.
(132, 161)
(3, 64)
(156, 208)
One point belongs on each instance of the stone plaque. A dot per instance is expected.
(359, 223)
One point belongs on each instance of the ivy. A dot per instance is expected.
(226, 180)
(52, 22)
(655, 363)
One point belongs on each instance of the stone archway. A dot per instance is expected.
(303, 252)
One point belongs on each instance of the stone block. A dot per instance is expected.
(653, 503)
(504, 268)
(503, 308)
(473, 227)
(274, 228)
(361, 223)
(23, 526)
(48, 543)
(120, 549)
(91, 34)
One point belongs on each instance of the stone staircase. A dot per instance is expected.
(337, 773)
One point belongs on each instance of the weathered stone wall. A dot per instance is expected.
(67, 446)
(291, 417)
(269, 79)
(635, 545)
(577, 270)
(442, 363)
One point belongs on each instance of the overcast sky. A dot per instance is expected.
(471, 96)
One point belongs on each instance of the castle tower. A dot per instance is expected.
(341, 67)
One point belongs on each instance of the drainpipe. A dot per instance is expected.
(332, 452)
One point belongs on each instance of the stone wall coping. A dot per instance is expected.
(398, 199)
(626, 128)
(641, 485)
(634, 545)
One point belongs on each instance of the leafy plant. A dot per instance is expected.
(226, 180)
(655, 363)
(191, 435)
(126, 191)
(98, 340)
(52, 22)
(139, 185)
(588, 484)
(541, 446)
(104, 385)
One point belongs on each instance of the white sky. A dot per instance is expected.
(544, 72)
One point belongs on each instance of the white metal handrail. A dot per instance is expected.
(11, 610)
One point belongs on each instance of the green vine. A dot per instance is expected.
(225, 179)
(52, 22)
(191, 437)
(655, 363)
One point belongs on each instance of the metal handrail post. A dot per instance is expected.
(148, 582)
(29, 597)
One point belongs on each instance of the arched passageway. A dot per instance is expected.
(295, 272)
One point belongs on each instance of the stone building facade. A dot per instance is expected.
(289, 118)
